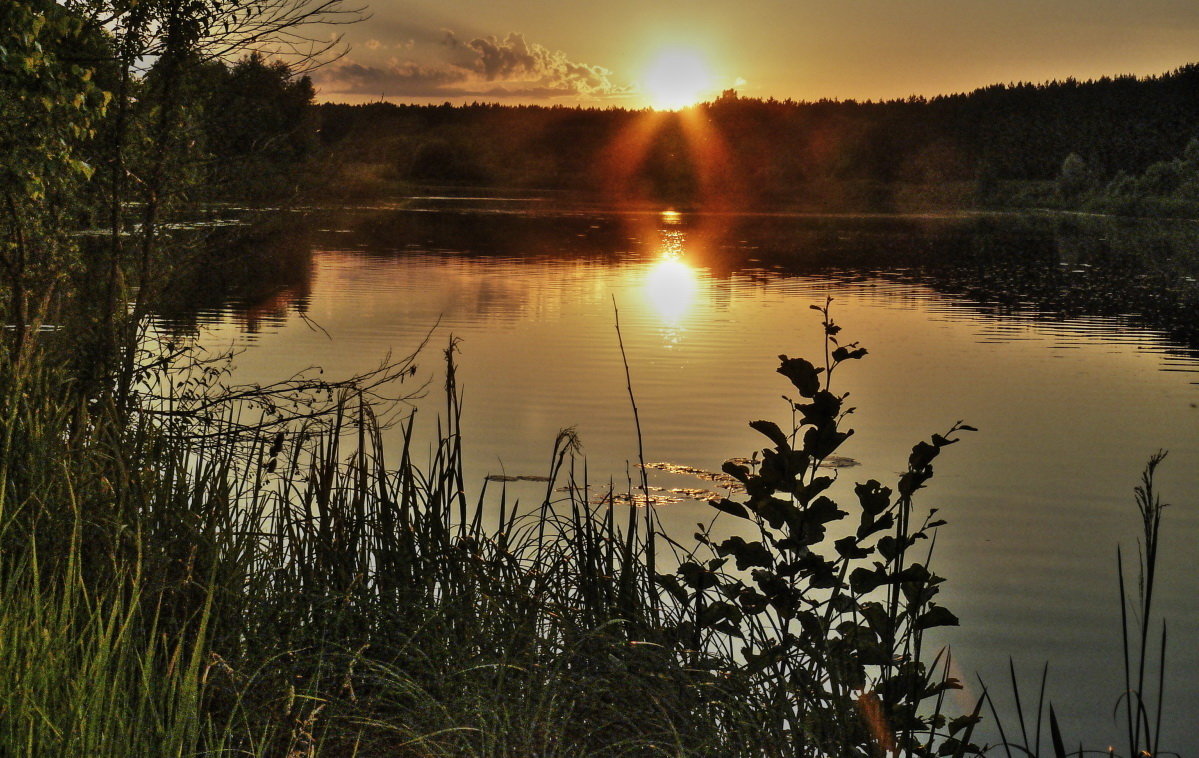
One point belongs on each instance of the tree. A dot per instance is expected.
(48, 111)
(95, 107)
(1075, 177)
(258, 123)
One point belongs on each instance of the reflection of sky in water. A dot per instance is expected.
(1037, 500)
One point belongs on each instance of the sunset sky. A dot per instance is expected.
(636, 52)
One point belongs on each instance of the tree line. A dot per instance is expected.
(777, 150)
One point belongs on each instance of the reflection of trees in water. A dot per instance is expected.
(257, 273)
(1054, 266)
(1051, 266)
(1085, 267)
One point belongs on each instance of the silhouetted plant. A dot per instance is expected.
(831, 630)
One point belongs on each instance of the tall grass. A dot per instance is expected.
(94, 659)
(178, 587)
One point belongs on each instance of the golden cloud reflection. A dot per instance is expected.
(671, 288)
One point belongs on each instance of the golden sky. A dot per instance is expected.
(636, 52)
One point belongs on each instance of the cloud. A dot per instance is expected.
(374, 44)
(406, 78)
(514, 59)
(485, 66)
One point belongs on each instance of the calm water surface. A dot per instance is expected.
(1068, 407)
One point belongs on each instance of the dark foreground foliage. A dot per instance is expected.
(266, 582)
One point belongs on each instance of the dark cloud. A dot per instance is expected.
(483, 67)
(399, 78)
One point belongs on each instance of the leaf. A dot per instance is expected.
(752, 601)
(811, 625)
(730, 507)
(877, 617)
(848, 352)
(804, 375)
(936, 616)
(83, 168)
(729, 628)
(696, 576)
(962, 722)
(922, 455)
(822, 441)
(736, 470)
(756, 662)
(671, 583)
(873, 497)
(912, 481)
(863, 580)
(916, 573)
(780, 470)
(822, 411)
(771, 430)
(888, 547)
(1055, 732)
(814, 488)
(777, 512)
(715, 613)
(746, 553)
(815, 516)
(871, 526)
(848, 547)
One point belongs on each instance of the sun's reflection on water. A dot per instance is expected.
(671, 285)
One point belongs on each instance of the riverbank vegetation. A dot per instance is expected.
(189, 568)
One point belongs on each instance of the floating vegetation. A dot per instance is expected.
(520, 478)
(839, 461)
(695, 493)
(657, 498)
(724, 480)
(136, 230)
(708, 476)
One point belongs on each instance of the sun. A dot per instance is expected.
(676, 78)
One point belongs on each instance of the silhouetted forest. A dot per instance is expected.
(1063, 144)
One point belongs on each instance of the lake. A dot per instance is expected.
(1068, 341)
